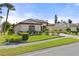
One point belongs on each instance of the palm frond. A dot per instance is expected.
(8, 5)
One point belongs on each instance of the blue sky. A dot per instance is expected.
(44, 11)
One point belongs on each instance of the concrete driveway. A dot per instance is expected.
(65, 50)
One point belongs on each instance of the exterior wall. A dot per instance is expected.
(73, 28)
(17, 28)
(60, 26)
(44, 24)
(50, 28)
(24, 27)
(37, 28)
(21, 27)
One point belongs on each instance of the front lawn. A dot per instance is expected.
(34, 47)
(17, 38)
(40, 37)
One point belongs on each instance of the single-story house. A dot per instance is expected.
(73, 27)
(50, 27)
(30, 25)
(63, 26)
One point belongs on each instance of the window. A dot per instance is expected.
(31, 28)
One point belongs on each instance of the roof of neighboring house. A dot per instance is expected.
(42, 21)
(77, 24)
(51, 24)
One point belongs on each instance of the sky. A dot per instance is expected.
(43, 11)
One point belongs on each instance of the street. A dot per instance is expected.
(65, 50)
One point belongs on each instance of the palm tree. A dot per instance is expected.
(9, 7)
(0, 10)
(69, 21)
(56, 18)
(1, 18)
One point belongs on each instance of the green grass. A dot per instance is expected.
(40, 37)
(18, 38)
(2, 39)
(34, 47)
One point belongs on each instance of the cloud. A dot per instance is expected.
(15, 17)
(76, 4)
(32, 15)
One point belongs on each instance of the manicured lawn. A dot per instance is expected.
(34, 47)
(31, 38)
(40, 37)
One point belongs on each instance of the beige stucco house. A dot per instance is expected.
(63, 26)
(38, 25)
(50, 27)
(30, 25)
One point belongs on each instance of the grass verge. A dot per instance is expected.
(26, 49)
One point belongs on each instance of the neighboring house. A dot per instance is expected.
(73, 27)
(61, 25)
(30, 25)
(50, 27)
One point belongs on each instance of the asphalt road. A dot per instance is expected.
(65, 50)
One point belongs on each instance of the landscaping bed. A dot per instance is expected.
(34, 47)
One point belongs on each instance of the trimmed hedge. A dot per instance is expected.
(13, 38)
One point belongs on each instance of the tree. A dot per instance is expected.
(1, 18)
(8, 26)
(11, 29)
(69, 21)
(0, 10)
(9, 7)
(56, 18)
(77, 29)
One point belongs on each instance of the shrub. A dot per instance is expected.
(13, 38)
(75, 32)
(10, 31)
(2, 39)
(68, 29)
(24, 35)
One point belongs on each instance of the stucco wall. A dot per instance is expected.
(37, 28)
(25, 27)
(17, 28)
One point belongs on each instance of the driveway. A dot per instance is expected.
(68, 35)
(65, 50)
